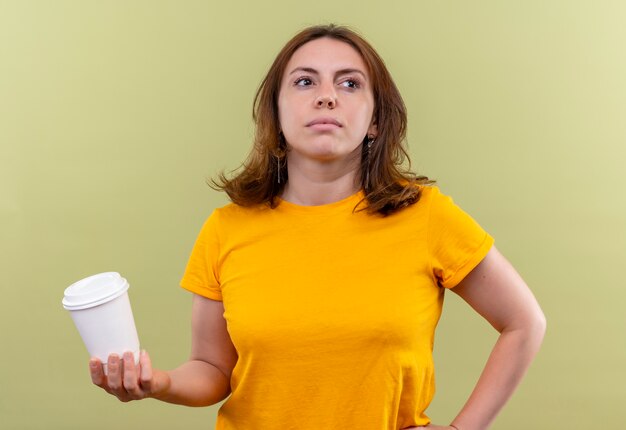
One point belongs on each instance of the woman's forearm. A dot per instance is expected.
(195, 383)
(507, 364)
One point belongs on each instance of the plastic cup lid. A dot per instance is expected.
(94, 290)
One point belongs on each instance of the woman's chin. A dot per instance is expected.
(324, 152)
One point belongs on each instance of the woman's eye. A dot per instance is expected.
(303, 82)
(351, 83)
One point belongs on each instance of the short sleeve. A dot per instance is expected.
(201, 274)
(456, 242)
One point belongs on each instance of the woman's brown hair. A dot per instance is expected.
(388, 187)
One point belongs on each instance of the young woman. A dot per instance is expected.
(318, 290)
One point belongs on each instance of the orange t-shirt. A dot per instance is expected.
(332, 312)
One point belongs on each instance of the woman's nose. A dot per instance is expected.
(326, 97)
(326, 101)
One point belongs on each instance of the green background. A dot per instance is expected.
(114, 113)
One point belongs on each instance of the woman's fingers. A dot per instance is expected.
(114, 377)
(97, 373)
(130, 376)
(124, 379)
(145, 378)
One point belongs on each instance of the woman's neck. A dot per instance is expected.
(315, 183)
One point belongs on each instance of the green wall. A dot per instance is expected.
(113, 114)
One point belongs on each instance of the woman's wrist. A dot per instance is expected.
(160, 385)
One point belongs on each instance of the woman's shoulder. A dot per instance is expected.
(427, 192)
(429, 198)
(235, 212)
(434, 198)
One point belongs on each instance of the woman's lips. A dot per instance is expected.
(323, 124)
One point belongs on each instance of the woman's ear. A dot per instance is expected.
(373, 130)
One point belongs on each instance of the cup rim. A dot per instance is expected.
(86, 302)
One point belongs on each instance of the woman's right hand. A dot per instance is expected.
(128, 381)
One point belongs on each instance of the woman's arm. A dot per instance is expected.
(497, 292)
(201, 381)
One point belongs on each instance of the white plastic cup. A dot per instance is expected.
(101, 311)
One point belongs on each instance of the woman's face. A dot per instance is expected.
(326, 103)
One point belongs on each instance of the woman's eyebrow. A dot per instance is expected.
(338, 72)
(304, 69)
